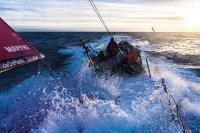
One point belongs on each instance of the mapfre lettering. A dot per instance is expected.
(18, 48)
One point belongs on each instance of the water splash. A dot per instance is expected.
(86, 102)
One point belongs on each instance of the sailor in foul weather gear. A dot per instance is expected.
(112, 48)
(122, 57)
(133, 56)
(116, 57)
(101, 56)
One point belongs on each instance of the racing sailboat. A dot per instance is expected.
(15, 51)
(115, 57)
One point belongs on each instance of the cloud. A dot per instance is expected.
(78, 15)
(7, 9)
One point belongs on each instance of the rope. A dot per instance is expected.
(47, 64)
(180, 118)
(40, 57)
(99, 15)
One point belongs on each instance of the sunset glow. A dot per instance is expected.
(120, 15)
(193, 20)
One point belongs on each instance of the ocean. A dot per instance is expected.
(74, 99)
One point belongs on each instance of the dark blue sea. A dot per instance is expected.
(75, 99)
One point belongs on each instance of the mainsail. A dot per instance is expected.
(14, 50)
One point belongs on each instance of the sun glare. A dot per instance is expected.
(192, 19)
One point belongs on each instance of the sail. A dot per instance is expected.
(14, 50)
(12, 45)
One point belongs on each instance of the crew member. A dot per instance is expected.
(112, 48)
(133, 57)
(101, 56)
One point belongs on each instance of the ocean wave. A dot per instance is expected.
(82, 101)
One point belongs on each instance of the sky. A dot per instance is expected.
(119, 15)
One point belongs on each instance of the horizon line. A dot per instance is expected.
(111, 32)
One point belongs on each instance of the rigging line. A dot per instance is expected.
(99, 15)
(183, 122)
(41, 58)
(185, 126)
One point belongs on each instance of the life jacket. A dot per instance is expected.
(133, 56)
(112, 49)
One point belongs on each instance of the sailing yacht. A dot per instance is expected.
(15, 51)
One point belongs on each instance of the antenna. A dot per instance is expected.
(153, 29)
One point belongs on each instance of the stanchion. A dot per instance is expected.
(148, 67)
